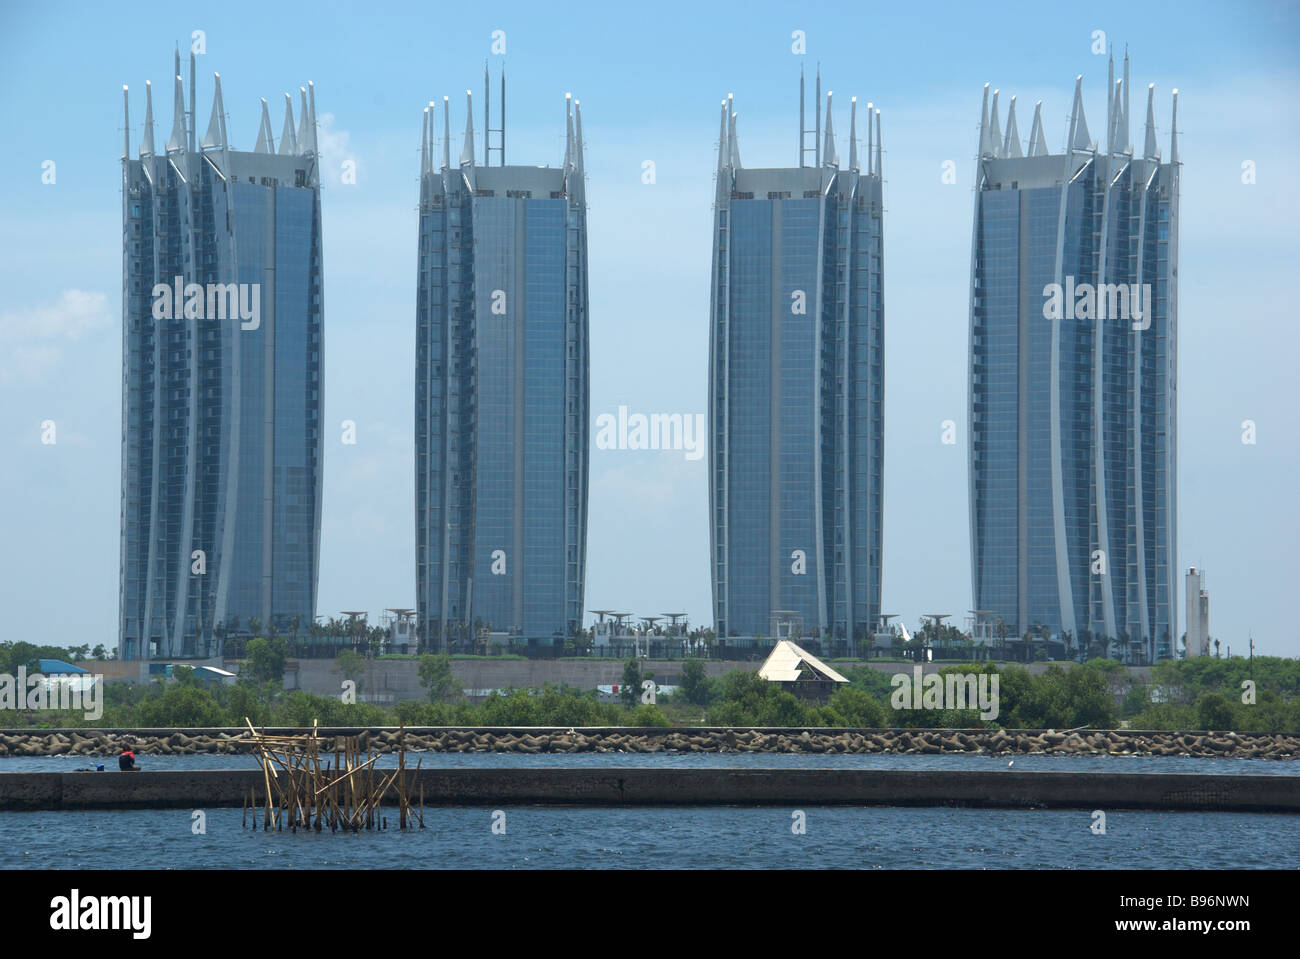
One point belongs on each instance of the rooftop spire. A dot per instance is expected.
(424, 144)
(288, 140)
(1126, 142)
(1151, 150)
(176, 142)
(829, 156)
(214, 137)
(879, 142)
(446, 133)
(1011, 146)
(194, 117)
(568, 132)
(467, 148)
(1037, 140)
(724, 158)
(302, 120)
(1112, 104)
(1115, 140)
(853, 133)
(733, 142)
(1173, 131)
(126, 125)
(1078, 122)
(579, 168)
(146, 145)
(870, 154)
(986, 148)
(995, 128)
(265, 142)
(311, 124)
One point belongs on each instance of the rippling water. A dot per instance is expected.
(539, 837)
(690, 837)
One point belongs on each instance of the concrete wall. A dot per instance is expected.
(643, 786)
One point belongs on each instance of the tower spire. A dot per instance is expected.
(1173, 132)
(880, 140)
(817, 116)
(213, 137)
(176, 142)
(146, 145)
(853, 133)
(1126, 141)
(1115, 140)
(1112, 104)
(288, 139)
(995, 130)
(568, 132)
(302, 121)
(311, 124)
(126, 125)
(1011, 146)
(265, 142)
(424, 144)
(467, 148)
(829, 156)
(724, 158)
(1037, 139)
(985, 148)
(446, 133)
(579, 167)
(1078, 121)
(870, 141)
(1151, 150)
(733, 142)
(193, 115)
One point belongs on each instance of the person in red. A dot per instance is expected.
(126, 761)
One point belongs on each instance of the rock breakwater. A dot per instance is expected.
(92, 743)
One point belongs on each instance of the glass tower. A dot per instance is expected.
(1073, 379)
(501, 391)
(796, 389)
(221, 380)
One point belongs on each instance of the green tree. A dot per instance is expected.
(630, 688)
(436, 677)
(1213, 711)
(857, 708)
(265, 660)
(696, 685)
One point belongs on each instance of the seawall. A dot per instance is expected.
(639, 786)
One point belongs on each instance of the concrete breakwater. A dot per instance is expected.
(1083, 742)
(677, 786)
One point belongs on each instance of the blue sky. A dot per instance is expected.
(650, 78)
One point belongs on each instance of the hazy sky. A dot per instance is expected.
(649, 77)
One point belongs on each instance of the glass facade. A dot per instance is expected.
(1073, 389)
(221, 386)
(501, 399)
(796, 398)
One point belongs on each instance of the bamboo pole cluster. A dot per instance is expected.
(301, 793)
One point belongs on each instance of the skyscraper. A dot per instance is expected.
(1073, 379)
(501, 389)
(796, 388)
(221, 379)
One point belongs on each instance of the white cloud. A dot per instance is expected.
(335, 149)
(32, 337)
